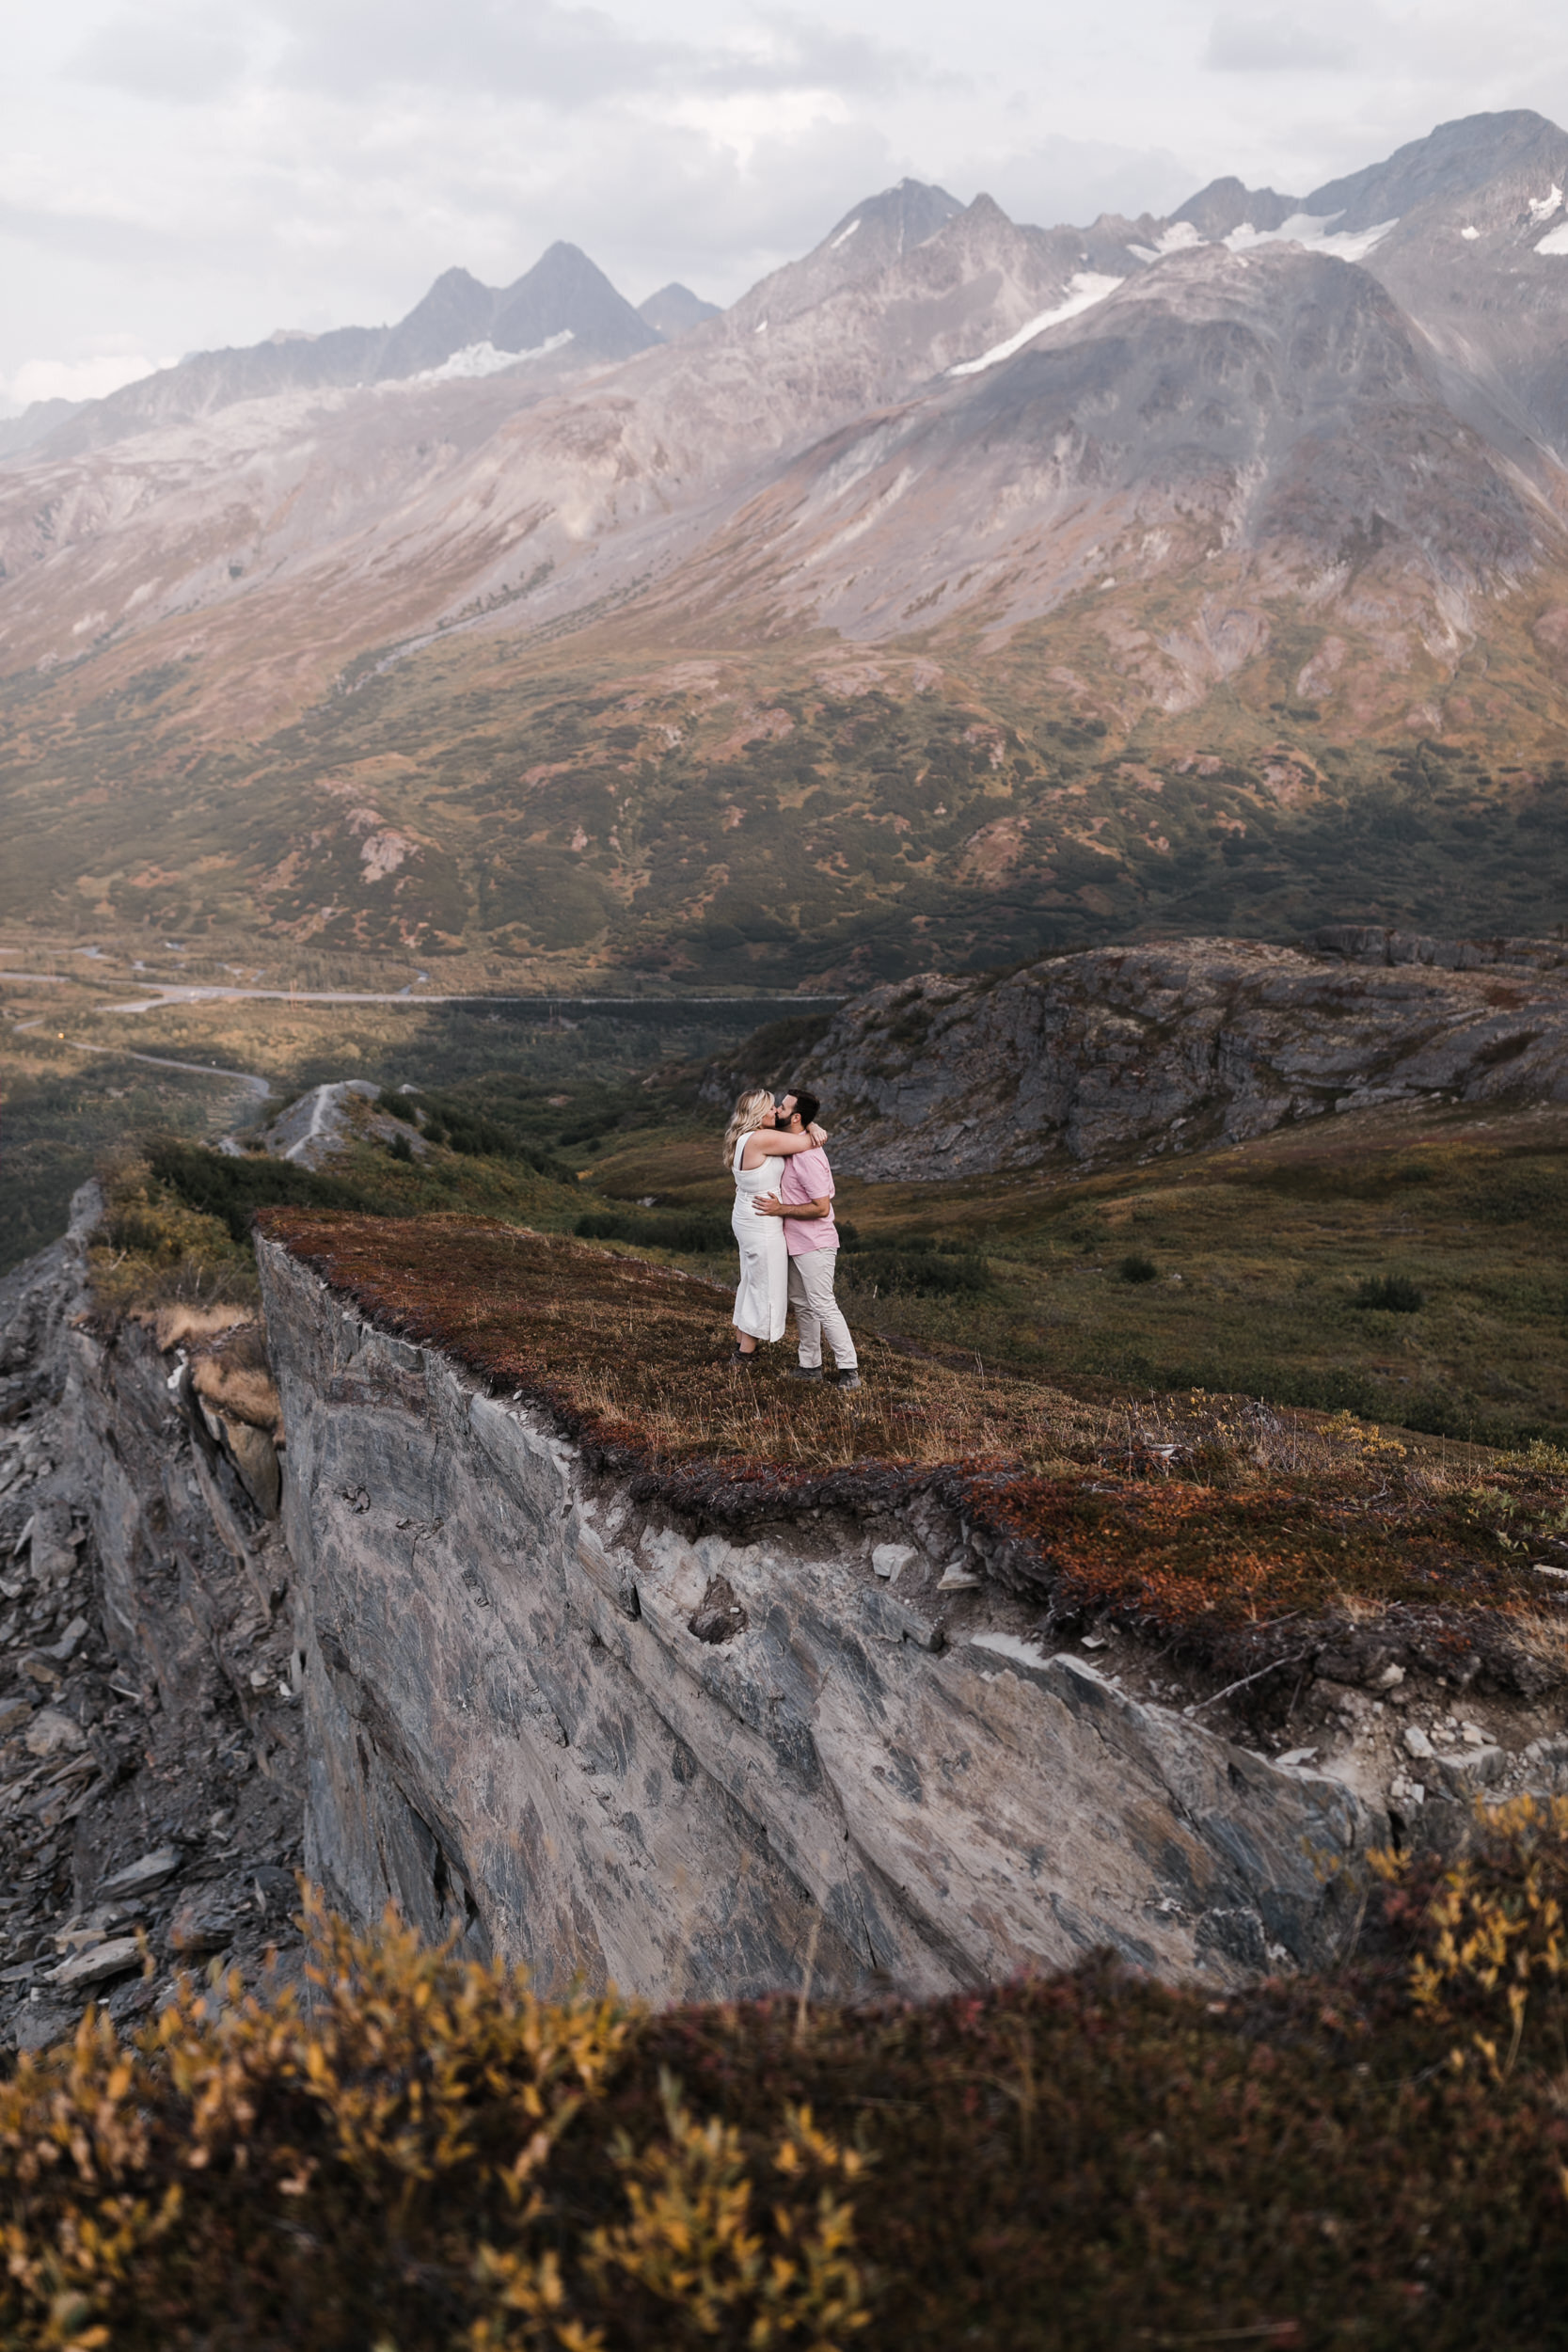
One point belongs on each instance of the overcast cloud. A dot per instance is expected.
(176, 173)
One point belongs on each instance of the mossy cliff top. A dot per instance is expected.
(1235, 1533)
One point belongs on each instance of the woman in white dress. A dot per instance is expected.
(752, 1147)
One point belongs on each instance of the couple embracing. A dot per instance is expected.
(787, 1238)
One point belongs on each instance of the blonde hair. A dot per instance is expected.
(748, 1115)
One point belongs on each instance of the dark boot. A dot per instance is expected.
(804, 1372)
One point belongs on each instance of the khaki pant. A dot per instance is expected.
(817, 1315)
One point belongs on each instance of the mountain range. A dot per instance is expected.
(462, 327)
(964, 589)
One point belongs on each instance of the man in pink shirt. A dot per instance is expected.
(805, 1202)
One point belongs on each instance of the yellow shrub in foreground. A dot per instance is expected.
(1494, 1926)
(239, 2146)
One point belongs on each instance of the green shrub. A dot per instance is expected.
(913, 1265)
(913, 1269)
(1395, 1294)
(1533, 1193)
(157, 1247)
(450, 1121)
(217, 1183)
(1134, 1267)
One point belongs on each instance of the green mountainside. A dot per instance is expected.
(768, 818)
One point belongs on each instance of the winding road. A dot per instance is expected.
(182, 992)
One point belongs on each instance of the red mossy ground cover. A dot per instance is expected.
(631, 1360)
(1180, 1553)
(1237, 1579)
(634, 1360)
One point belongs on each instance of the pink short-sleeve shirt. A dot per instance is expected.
(808, 1177)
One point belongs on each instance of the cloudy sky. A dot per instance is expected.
(179, 173)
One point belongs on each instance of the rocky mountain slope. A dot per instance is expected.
(1268, 492)
(1246, 409)
(1148, 1050)
(295, 514)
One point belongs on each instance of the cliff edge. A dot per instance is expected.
(546, 1709)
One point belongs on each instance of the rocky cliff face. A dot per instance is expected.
(149, 1731)
(1164, 1047)
(572, 1727)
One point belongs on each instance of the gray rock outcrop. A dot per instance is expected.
(534, 1698)
(1156, 1048)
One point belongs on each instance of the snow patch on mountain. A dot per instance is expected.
(1176, 239)
(1555, 240)
(1084, 289)
(1542, 207)
(1314, 231)
(476, 360)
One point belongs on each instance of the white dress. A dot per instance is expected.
(760, 1303)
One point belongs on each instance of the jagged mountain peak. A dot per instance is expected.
(564, 303)
(566, 292)
(1456, 159)
(40, 418)
(456, 312)
(674, 310)
(892, 222)
(929, 266)
(452, 281)
(1227, 205)
(983, 212)
(872, 235)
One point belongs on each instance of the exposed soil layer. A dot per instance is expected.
(1353, 1559)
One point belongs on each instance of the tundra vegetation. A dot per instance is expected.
(420, 2152)
(591, 809)
(410, 2151)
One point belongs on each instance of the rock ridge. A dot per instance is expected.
(1174, 1044)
